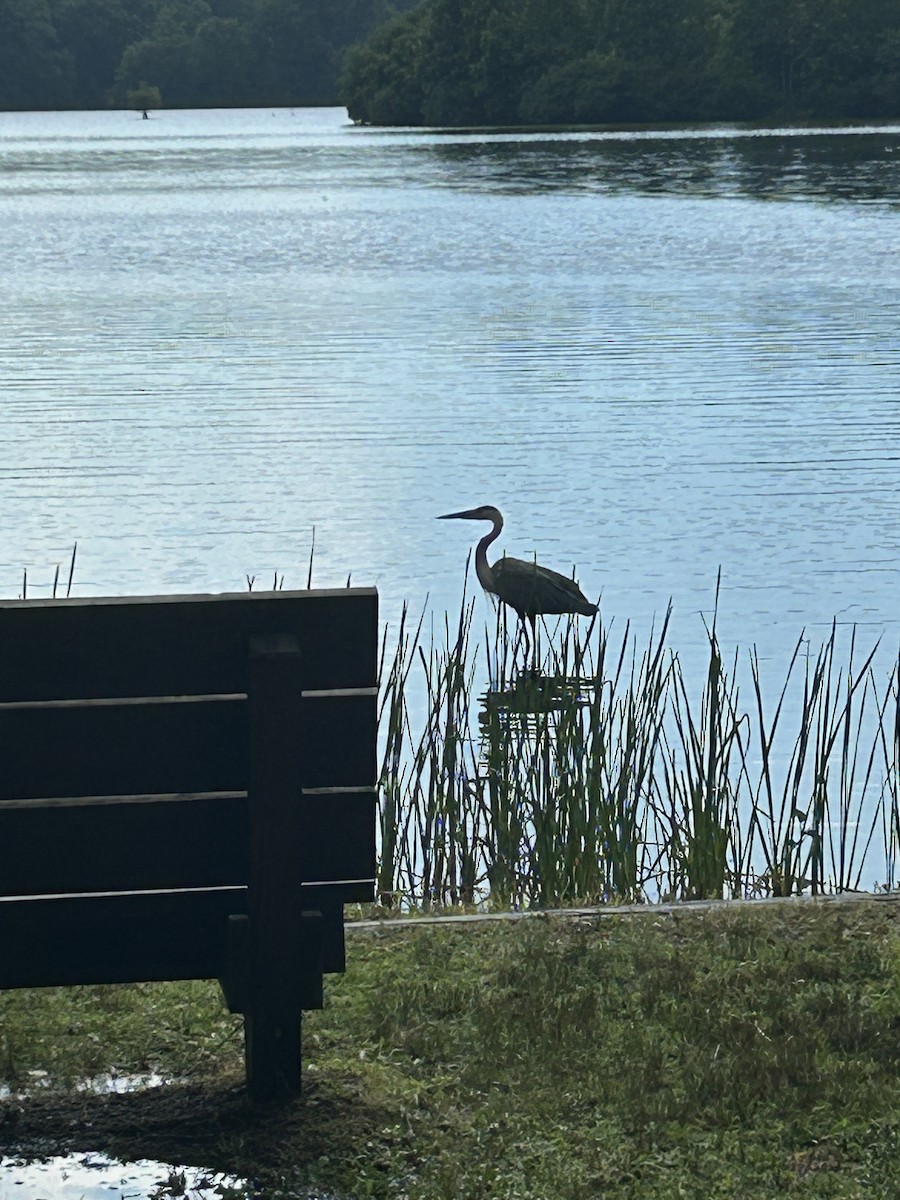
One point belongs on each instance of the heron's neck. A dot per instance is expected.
(482, 568)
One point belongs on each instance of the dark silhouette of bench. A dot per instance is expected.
(187, 791)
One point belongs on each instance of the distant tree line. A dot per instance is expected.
(509, 62)
(197, 53)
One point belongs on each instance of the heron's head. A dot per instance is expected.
(486, 512)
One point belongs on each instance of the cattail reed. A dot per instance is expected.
(601, 775)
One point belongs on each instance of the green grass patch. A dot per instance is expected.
(731, 1053)
(76, 1034)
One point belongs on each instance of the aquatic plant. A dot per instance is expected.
(603, 775)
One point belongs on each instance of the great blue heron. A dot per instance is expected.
(529, 589)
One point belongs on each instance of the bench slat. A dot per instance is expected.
(148, 798)
(180, 645)
(107, 844)
(117, 939)
(66, 750)
(139, 937)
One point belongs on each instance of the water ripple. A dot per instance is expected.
(660, 352)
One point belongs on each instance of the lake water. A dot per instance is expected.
(97, 1177)
(658, 353)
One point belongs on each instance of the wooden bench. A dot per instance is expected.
(187, 791)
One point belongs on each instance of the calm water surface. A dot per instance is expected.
(96, 1177)
(658, 353)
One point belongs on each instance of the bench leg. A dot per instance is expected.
(275, 999)
(272, 1051)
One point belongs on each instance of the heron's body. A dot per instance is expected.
(529, 589)
(533, 590)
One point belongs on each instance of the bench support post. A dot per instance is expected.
(284, 965)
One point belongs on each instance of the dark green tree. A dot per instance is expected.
(382, 81)
(464, 62)
(853, 59)
(581, 91)
(543, 61)
(165, 58)
(222, 62)
(665, 51)
(162, 62)
(770, 44)
(296, 62)
(144, 97)
(95, 33)
(34, 71)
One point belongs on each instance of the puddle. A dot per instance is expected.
(101, 1085)
(96, 1177)
(104, 1084)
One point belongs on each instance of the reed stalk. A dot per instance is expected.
(602, 775)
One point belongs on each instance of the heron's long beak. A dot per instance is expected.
(471, 514)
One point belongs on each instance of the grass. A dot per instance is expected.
(730, 1053)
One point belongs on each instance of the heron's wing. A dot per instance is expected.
(531, 589)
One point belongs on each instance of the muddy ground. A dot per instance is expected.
(211, 1125)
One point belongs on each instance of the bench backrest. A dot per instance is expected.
(126, 732)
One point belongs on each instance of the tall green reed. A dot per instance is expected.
(603, 775)
(809, 834)
(707, 849)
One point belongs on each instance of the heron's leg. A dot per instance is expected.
(523, 626)
(517, 641)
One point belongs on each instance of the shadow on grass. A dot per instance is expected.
(209, 1125)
